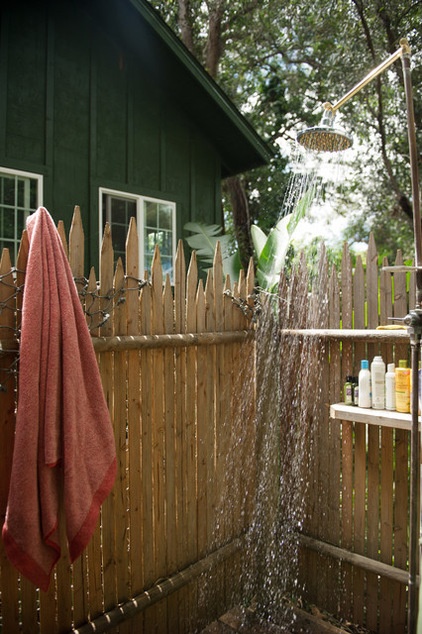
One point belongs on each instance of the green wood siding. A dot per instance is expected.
(26, 85)
(81, 110)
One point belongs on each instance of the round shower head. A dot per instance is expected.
(324, 139)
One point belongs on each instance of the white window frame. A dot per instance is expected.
(140, 200)
(40, 189)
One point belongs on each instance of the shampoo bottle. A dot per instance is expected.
(378, 382)
(390, 387)
(348, 391)
(403, 387)
(364, 399)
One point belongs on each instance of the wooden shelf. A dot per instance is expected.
(381, 417)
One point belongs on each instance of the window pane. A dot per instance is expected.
(158, 230)
(150, 241)
(155, 226)
(167, 243)
(22, 190)
(167, 263)
(21, 222)
(151, 214)
(165, 217)
(117, 211)
(122, 210)
(8, 191)
(8, 244)
(118, 234)
(7, 223)
(33, 194)
(18, 198)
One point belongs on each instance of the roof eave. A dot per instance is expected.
(261, 152)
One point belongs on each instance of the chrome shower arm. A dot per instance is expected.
(403, 50)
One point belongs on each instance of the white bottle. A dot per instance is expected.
(390, 387)
(378, 383)
(364, 379)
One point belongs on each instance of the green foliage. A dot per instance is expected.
(270, 250)
(280, 61)
(204, 240)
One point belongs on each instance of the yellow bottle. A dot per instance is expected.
(403, 387)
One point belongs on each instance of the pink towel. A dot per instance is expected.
(64, 443)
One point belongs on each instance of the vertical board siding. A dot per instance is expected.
(90, 113)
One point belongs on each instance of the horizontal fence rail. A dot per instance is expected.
(176, 362)
(355, 505)
(226, 449)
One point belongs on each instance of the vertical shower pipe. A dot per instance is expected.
(414, 320)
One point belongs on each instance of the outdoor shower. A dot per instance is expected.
(327, 138)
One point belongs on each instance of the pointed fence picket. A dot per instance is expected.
(157, 347)
(357, 473)
(186, 376)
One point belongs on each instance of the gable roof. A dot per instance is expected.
(176, 69)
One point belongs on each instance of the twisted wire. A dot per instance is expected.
(98, 308)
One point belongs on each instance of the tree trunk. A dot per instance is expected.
(233, 186)
(185, 25)
(214, 49)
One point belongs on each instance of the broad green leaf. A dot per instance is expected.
(273, 254)
(258, 238)
(205, 240)
(302, 207)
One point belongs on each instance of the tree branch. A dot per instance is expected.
(185, 25)
(401, 198)
(214, 47)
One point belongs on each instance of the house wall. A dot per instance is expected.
(80, 107)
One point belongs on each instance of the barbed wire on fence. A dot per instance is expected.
(98, 308)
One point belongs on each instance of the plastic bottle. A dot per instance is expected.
(348, 391)
(378, 382)
(390, 387)
(403, 387)
(355, 390)
(364, 399)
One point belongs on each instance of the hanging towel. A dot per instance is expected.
(64, 450)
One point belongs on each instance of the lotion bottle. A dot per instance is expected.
(403, 387)
(364, 399)
(378, 382)
(390, 387)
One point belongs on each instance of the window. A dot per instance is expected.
(20, 195)
(155, 220)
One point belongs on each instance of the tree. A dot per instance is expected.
(280, 61)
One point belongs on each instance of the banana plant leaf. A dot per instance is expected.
(204, 241)
(271, 250)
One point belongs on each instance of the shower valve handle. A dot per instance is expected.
(413, 318)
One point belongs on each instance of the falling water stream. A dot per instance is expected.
(286, 369)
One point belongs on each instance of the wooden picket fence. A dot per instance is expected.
(354, 500)
(233, 479)
(176, 363)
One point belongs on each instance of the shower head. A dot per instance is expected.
(325, 137)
